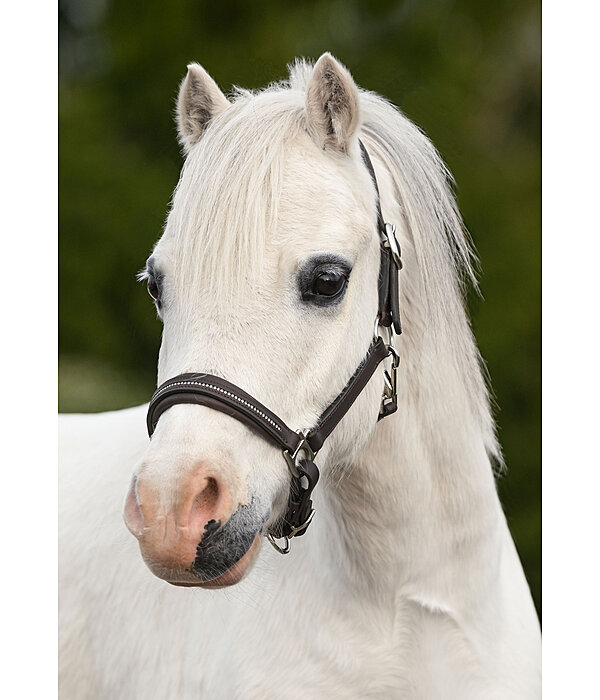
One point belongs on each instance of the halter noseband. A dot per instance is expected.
(299, 447)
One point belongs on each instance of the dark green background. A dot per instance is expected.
(468, 72)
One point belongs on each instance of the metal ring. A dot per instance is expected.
(282, 550)
(380, 331)
(292, 457)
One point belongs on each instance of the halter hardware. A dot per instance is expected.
(292, 457)
(286, 546)
(389, 398)
(390, 241)
(304, 478)
(300, 447)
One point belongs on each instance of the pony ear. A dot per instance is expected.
(332, 104)
(200, 99)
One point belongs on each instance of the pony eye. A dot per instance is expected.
(328, 284)
(154, 282)
(323, 279)
(153, 290)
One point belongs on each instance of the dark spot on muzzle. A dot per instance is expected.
(222, 546)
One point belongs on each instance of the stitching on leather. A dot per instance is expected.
(343, 395)
(221, 391)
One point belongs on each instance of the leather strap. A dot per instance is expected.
(389, 311)
(369, 165)
(338, 408)
(299, 509)
(220, 394)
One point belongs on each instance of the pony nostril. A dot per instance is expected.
(206, 507)
(132, 513)
(208, 497)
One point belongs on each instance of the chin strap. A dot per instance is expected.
(300, 448)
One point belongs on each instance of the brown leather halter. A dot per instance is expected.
(300, 448)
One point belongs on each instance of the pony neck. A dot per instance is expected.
(416, 514)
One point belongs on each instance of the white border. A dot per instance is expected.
(28, 56)
(571, 265)
(571, 349)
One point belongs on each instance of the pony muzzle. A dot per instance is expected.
(184, 536)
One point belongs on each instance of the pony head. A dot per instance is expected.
(266, 275)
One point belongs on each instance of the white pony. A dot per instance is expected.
(407, 584)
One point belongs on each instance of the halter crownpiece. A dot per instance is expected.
(299, 447)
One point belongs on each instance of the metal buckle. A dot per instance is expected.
(391, 242)
(305, 524)
(302, 446)
(286, 538)
(390, 378)
(292, 461)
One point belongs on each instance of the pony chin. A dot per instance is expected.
(237, 572)
(189, 579)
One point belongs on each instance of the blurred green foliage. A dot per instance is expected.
(467, 72)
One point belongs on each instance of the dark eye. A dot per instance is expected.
(328, 283)
(153, 290)
(323, 279)
(154, 279)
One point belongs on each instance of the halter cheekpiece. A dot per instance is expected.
(300, 447)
